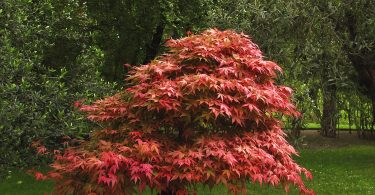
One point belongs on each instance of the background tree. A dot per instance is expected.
(307, 41)
(45, 65)
(132, 31)
(357, 28)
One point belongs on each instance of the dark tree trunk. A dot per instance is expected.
(360, 131)
(328, 121)
(338, 125)
(373, 111)
(166, 192)
(350, 120)
(296, 127)
(153, 48)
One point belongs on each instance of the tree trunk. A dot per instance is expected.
(153, 48)
(166, 192)
(328, 121)
(296, 127)
(361, 125)
(350, 120)
(373, 111)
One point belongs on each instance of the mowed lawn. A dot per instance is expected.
(345, 170)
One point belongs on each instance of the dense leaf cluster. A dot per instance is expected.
(44, 68)
(202, 113)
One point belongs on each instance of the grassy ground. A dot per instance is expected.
(19, 183)
(345, 169)
(317, 126)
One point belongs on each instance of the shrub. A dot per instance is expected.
(46, 64)
(202, 113)
(39, 105)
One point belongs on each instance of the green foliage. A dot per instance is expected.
(126, 29)
(315, 42)
(40, 80)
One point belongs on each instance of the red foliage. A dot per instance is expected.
(40, 149)
(202, 113)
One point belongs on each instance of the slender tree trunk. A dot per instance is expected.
(166, 192)
(373, 110)
(338, 126)
(361, 125)
(350, 120)
(296, 127)
(153, 48)
(328, 121)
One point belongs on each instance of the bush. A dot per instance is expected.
(202, 113)
(46, 64)
(39, 104)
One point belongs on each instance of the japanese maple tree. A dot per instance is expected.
(202, 113)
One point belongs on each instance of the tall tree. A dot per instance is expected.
(357, 28)
(132, 31)
(349, 27)
(301, 36)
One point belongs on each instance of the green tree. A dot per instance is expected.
(132, 31)
(302, 36)
(357, 28)
(45, 65)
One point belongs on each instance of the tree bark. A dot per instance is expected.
(153, 48)
(166, 192)
(328, 121)
(296, 127)
(350, 120)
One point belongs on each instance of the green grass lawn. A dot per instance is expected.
(19, 183)
(348, 170)
(341, 126)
